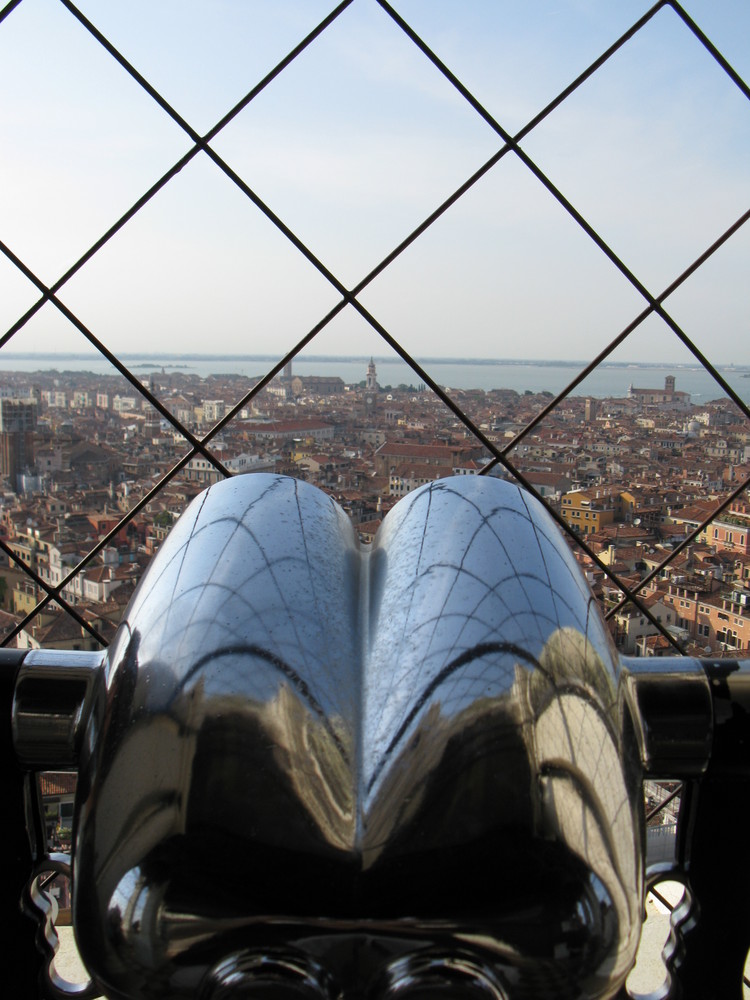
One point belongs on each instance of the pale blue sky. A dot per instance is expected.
(353, 146)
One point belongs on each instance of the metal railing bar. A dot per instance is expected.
(709, 45)
(428, 221)
(112, 358)
(283, 228)
(662, 899)
(138, 77)
(660, 807)
(8, 9)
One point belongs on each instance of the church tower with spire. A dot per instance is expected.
(371, 390)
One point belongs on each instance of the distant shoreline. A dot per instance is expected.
(182, 360)
(608, 380)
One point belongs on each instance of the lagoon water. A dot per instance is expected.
(551, 376)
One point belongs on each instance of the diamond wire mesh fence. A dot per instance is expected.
(195, 449)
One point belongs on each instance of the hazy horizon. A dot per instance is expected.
(9, 355)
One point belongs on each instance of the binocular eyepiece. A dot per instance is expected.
(311, 768)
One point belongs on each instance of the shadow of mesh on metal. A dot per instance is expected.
(654, 303)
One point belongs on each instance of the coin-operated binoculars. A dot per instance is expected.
(310, 769)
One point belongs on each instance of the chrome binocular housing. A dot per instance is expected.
(312, 768)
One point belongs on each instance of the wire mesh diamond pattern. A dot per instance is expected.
(519, 152)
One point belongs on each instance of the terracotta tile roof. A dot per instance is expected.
(57, 783)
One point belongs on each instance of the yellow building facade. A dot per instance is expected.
(586, 513)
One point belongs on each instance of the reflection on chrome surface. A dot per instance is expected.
(312, 765)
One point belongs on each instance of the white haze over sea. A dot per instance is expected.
(522, 376)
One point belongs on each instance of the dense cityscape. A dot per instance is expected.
(633, 475)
